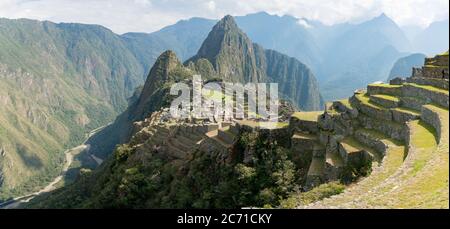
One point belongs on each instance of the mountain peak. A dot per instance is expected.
(169, 56)
(225, 40)
(160, 71)
(226, 23)
(383, 18)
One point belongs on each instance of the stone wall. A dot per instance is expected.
(432, 118)
(393, 130)
(377, 89)
(437, 97)
(296, 124)
(439, 83)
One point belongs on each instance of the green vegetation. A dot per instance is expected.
(387, 97)
(423, 139)
(346, 103)
(318, 193)
(144, 180)
(407, 110)
(365, 99)
(429, 88)
(307, 116)
(57, 82)
(385, 85)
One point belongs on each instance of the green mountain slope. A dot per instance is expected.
(57, 81)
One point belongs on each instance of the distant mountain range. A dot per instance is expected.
(432, 40)
(355, 53)
(403, 66)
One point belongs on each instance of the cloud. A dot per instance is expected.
(150, 15)
(304, 23)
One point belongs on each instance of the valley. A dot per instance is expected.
(368, 151)
(85, 117)
(58, 181)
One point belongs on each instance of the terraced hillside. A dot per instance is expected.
(402, 130)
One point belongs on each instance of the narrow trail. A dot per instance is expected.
(70, 155)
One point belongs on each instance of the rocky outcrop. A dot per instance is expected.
(229, 54)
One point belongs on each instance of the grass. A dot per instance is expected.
(346, 103)
(424, 140)
(407, 110)
(318, 193)
(387, 97)
(425, 184)
(304, 136)
(307, 116)
(365, 99)
(429, 88)
(385, 85)
(432, 66)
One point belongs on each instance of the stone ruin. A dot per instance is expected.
(436, 67)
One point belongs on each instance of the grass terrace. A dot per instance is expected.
(308, 116)
(365, 99)
(429, 88)
(387, 97)
(385, 85)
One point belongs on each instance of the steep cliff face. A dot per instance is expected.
(235, 58)
(167, 69)
(232, 54)
(296, 82)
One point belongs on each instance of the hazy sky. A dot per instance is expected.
(149, 15)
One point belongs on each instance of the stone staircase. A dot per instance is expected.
(402, 127)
